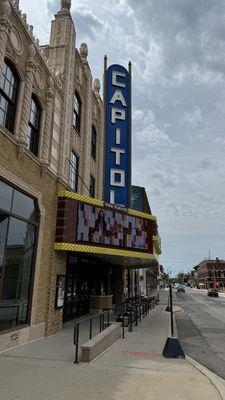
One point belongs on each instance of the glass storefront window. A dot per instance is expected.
(17, 244)
(3, 232)
(23, 205)
(6, 192)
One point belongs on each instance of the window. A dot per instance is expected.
(33, 126)
(74, 166)
(92, 186)
(8, 96)
(18, 230)
(76, 112)
(93, 142)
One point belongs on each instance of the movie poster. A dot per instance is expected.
(60, 291)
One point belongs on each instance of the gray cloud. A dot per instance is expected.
(188, 36)
(87, 23)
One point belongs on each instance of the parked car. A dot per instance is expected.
(181, 289)
(212, 293)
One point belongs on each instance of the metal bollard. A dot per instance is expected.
(100, 322)
(136, 316)
(130, 321)
(90, 333)
(123, 324)
(76, 342)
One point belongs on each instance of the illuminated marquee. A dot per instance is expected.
(118, 136)
(85, 225)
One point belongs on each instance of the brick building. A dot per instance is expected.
(50, 114)
(51, 165)
(209, 271)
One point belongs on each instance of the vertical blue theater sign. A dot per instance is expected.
(117, 135)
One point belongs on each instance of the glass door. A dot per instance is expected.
(70, 306)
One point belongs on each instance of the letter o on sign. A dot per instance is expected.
(117, 177)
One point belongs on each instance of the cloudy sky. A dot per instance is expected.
(177, 48)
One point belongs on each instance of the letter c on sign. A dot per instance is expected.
(115, 74)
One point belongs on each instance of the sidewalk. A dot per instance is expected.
(132, 369)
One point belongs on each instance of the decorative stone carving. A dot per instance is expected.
(39, 77)
(50, 98)
(31, 51)
(16, 4)
(50, 83)
(30, 30)
(95, 113)
(16, 40)
(65, 5)
(84, 52)
(59, 79)
(24, 19)
(79, 75)
(97, 87)
(5, 8)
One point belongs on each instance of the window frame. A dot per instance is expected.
(10, 115)
(36, 225)
(74, 171)
(77, 114)
(92, 185)
(94, 136)
(34, 139)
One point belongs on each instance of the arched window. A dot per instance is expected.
(76, 112)
(8, 95)
(34, 126)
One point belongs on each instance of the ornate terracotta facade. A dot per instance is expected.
(51, 75)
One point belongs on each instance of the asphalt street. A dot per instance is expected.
(201, 328)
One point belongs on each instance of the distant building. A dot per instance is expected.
(139, 199)
(144, 281)
(209, 271)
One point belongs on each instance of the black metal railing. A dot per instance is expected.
(129, 313)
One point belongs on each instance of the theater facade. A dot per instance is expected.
(98, 242)
(64, 251)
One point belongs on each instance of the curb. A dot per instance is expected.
(215, 380)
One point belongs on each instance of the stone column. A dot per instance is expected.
(29, 79)
(87, 120)
(48, 131)
(100, 142)
(5, 27)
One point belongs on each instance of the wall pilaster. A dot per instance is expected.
(5, 27)
(50, 97)
(86, 166)
(29, 79)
